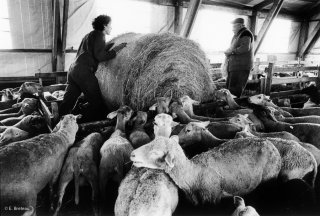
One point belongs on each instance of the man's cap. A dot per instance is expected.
(238, 21)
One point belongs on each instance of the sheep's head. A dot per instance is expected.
(241, 209)
(163, 124)
(158, 154)
(262, 100)
(7, 94)
(28, 105)
(140, 119)
(264, 112)
(162, 105)
(124, 113)
(30, 87)
(241, 120)
(192, 133)
(68, 123)
(187, 104)
(12, 134)
(36, 122)
(226, 96)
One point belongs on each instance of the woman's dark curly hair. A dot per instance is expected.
(100, 21)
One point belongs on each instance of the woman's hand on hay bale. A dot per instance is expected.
(119, 47)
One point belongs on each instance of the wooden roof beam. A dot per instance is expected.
(61, 63)
(262, 5)
(190, 18)
(267, 23)
(314, 36)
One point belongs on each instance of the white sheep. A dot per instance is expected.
(242, 209)
(28, 166)
(245, 124)
(236, 167)
(264, 100)
(306, 132)
(297, 161)
(115, 152)
(187, 105)
(144, 191)
(81, 164)
(162, 105)
(12, 134)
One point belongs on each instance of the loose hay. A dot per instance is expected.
(154, 65)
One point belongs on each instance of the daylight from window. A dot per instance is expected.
(5, 38)
(213, 30)
(277, 37)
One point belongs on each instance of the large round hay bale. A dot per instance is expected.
(154, 65)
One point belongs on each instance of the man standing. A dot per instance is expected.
(239, 57)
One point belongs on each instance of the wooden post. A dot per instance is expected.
(303, 36)
(190, 18)
(56, 33)
(253, 23)
(269, 78)
(267, 23)
(64, 35)
(314, 36)
(318, 80)
(178, 12)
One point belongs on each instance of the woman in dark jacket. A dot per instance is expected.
(81, 75)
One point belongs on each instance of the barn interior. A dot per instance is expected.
(173, 48)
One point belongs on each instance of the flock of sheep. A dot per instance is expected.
(155, 156)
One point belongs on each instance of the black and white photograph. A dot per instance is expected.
(159, 107)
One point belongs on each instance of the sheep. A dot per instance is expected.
(28, 106)
(30, 88)
(33, 124)
(296, 160)
(146, 191)
(243, 122)
(28, 166)
(7, 95)
(138, 135)
(313, 92)
(162, 105)
(242, 209)
(115, 152)
(225, 95)
(264, 100)
(187, 105)
(194, 138)
(12, 134)
(177, 110)
(163, 124)
(293, 120)
(81, 163)
(234, 168)
(306, 132)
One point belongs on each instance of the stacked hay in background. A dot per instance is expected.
(154, 65)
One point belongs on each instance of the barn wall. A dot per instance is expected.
(314, 54)
(31, 28)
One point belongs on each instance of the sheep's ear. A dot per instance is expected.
(112, 115)
(78, 117)
(267, 96)
(174, 115)
(245, 115)
(169, 160)
(205, 124)
(17, 105)
(173, 124)
(238, 201)
(233, 96)
(175, 138)
(153, 107)
(194, 102)
(168, 99)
